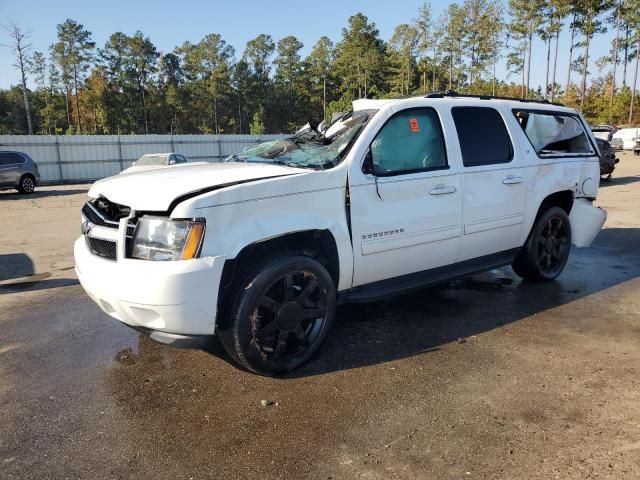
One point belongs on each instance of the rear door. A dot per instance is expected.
(406, 207)
(10, 168)
(493, 183)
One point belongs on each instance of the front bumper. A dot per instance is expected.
(173, 298)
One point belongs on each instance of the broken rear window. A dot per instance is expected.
(553, 134)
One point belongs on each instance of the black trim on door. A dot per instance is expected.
(415, 281)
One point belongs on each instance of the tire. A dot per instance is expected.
(546, 251)
(27, 184)
(278, 314)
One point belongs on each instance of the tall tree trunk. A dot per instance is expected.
(66, 102)
(526, 94)
(546, 77)
(493, 89)
(615, 61)
(424, 77)
(573, 36)
(626, 56)
(471, 66)
(555, 64)
(324, 97)
(450, 70)
(635, 80)
(239, 111)
(433, 69)
(25, 95)
(77, 101)
(585, 66)
(524, 63)
(215, 115)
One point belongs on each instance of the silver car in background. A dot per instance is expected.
(19, 171)
(152, 161)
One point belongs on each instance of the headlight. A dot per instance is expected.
(160, 238)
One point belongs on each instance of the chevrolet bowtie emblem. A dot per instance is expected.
(86, 227)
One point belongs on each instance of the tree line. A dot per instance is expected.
(128, 86)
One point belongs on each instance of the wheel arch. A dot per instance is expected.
(563, 199)
(319, 244)
(27, 174)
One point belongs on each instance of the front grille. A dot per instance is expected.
(95, 217)
(102, 248)
(96, 213)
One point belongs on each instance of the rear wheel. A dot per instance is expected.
(27, 184)
(546, 251)
(278, 314)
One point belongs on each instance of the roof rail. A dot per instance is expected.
(453, 93)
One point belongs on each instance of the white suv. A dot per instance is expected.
(394, 196)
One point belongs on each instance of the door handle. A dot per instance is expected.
(442, 190)
(510, 180)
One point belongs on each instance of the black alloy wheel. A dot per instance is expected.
(27, 184)
(552, 246)
(278, 314)
(546, 251)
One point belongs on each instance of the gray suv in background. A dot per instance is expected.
(19, 171)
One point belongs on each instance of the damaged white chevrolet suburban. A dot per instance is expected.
(396, 195)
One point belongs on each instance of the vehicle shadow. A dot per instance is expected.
(15, 265)
(36, 282)
(422, 322)
(39, 193)
(620, 181)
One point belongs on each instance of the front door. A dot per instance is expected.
(406, 211)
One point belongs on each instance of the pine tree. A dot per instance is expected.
(74, 52)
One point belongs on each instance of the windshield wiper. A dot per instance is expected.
(234, 157)
(289, 164)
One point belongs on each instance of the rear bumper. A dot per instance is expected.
(586, 222)
(167, 300)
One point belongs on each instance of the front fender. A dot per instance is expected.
(231, 228)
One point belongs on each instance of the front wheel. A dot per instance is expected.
(278, 314)
(546, 251)
(27, 184)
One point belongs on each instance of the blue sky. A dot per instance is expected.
(169, 23)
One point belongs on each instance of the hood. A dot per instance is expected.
(155, 190)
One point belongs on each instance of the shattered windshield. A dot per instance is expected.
(310, 148)
(151, 160)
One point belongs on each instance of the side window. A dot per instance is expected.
(483, 136)
(9, 158)
(552, 133)
(181, 159)
(411, 141)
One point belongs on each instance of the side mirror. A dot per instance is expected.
(133, 164)
(172, 162)
(367, 165)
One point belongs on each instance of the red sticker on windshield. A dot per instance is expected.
(413, 125)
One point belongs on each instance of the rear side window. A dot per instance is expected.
(483, 136)
(10, 158)
(553, 134)
(411, 141)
